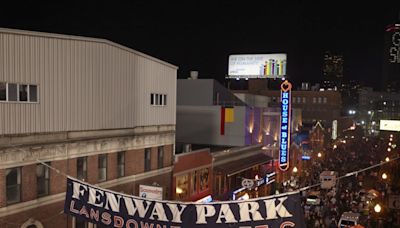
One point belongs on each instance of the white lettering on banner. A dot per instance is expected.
(95, 196)
(247, 208)
(226, 213)
(204, 211)
(104, 207)
(138, 206)
(77, 190)
(112, 201)
(158, 210)
(177, 214)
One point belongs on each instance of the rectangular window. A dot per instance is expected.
(203, 179)
(325, 100)
(147, 159)
(42, 179)
(81, 167)
(319, 100)
(161, 99)
(13, 185)
(165, 99)
(304, 100)
(193, 183)
(152, 98)
(121, 164)
(3, 91)
(33, 93)
(102, 164)
(182, 186)
(160, 156)
(12, 92)
(314, 100)
(23, 92)
(157, 95)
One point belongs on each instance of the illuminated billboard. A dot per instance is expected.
(257, 66)
(389, 125)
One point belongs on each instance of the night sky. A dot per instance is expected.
(200, 35)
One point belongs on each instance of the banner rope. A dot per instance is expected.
(59, 172)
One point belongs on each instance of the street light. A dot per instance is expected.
(391, 136)
(387, 159)
(295, 169)
(377, 208)
(319, 154)
(334, 146)
(388, 149)
(384, 176)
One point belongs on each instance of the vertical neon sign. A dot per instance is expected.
(286, 87)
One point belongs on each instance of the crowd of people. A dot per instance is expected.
(352, 193)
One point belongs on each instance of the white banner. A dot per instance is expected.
(390, 125)
(150, 192)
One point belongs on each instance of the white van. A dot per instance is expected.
(349, 219)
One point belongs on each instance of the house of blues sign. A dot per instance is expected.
(285, 126)
(111, 209)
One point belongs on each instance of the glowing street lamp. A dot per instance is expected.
(389, 149)
(319, 154)
(334, 146)
(391, 136)
(377, 208)
(295, 169)
(387, 159)
(384, 176)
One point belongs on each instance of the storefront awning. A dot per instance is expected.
(240, 165)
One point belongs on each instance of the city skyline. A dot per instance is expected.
(201, 36)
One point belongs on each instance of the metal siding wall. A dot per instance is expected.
(83, 85)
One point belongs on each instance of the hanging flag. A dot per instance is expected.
(108, 208)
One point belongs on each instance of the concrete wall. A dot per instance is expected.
(195, 92)
(201, 125)
(83, 84)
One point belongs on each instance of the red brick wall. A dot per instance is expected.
(189, 160)
(112, 166)
(168, 155)
(134, 162)
(58, 181)
(92, 169)
(3, 200)
(72, 171)
(28, 183)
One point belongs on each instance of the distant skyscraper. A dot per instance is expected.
(332, 69)
(391, 58)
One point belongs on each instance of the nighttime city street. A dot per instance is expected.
(163, 114)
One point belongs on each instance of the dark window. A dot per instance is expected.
(157, 95)
(161, 99)
(121, 164)
(42, 179)
(23, 92)
(147, 159)
(81, 168)
(152, 99)
(33, 93)
(3, 91)
(12, 92)
(165, 99)
(160, 159)
(102, 167)
(13, 185)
